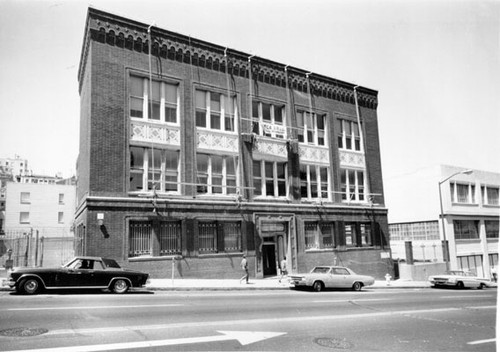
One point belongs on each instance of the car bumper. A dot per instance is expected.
(298, 283)
(8, 282)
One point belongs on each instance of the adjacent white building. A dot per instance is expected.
(470, 210)
(48, 208)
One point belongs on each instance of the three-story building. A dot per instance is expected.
(194, 151)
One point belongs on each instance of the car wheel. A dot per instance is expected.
(481, 286)
(357, 286)
(119, 286)
(460, 285)
(317, 286)
(30, 286)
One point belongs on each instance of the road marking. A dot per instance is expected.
(475, 296)
(245, 322)
(478, 342)
(481, 307)
(351, 300)
(244, 338)
(97, 307)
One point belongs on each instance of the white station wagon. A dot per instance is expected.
(322, 277)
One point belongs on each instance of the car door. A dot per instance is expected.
(334, 280)
(79, 274)
(102, 275)
(342, 277)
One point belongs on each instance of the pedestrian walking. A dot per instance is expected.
(284, 271)
(244, 266)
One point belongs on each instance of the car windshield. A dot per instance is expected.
(110, 263)
(320, 270)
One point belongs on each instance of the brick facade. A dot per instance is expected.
(116, 48)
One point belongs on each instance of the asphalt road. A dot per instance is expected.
(371, 320)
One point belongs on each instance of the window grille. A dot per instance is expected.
(207, 235)
(140, 239)
(232, 236)
(327, 235)
(310, 233)
(214, 237)
(170, 238)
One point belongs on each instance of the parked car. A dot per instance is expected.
(78, 273)
(458, 279)
(322, 277)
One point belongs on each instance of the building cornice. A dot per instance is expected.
(132, 35)
(168, 204)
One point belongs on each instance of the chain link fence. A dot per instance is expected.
(41, 247)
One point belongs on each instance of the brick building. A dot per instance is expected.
(192, 150)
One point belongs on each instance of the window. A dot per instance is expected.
(318, 235)
(162, 167)
(352, 185)
(61, 198)
(358, 234)
(490, 195)
(466, 229)
(268, 119)
(164, 102)
(216, 174)
(463, 193)
(169, 236)
(270, 178)
(219, 236)
(25, 198)
(314, 182)
(491, 228)
(215, 111)
(366, 234)
(167, 233)
(349, 137)
(311, 128)
(60, 217)
(24, 217)
(350, 235)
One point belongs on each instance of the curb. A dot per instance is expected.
(215, 289)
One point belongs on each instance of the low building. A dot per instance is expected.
(468, 218)
(39, 222)
(194, 151)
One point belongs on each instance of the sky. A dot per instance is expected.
(435, 65)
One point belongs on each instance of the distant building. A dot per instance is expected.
(471, 208)
(210, 153)
(16, 166)
(48, 208)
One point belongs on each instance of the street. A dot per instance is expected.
(370, 320)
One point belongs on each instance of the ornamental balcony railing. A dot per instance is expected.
(272, 147)
(351, 159)
(146, 131)
(315, 154)
(215, 140)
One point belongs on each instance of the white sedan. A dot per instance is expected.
(322, 277)
(458, 279)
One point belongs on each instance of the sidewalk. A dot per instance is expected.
(256, 284)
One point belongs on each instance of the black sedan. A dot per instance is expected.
(78, 273)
